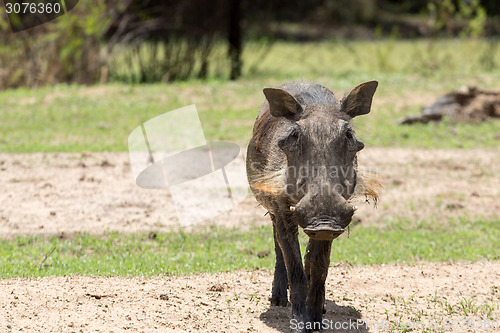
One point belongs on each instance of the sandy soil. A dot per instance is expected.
(65, 193)
(238, 301)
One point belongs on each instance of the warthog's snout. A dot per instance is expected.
(324, 228)
(327, 227)
(323, 220)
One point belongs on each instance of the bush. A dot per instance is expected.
(69, 49)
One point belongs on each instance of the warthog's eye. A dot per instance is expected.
(291, 142)
(352, 143)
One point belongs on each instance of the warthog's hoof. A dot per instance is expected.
(276, 301)
(323, 229)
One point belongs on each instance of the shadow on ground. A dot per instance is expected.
(337, 318)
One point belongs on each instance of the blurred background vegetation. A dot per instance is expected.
(145, 41)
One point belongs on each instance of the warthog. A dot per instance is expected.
(302, 167)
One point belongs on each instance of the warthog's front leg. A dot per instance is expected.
(280, 283)
(287, 235)
(317, 261)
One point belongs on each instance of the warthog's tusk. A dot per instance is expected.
(292, 208)
(354, 208)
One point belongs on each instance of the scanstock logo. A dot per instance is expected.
(26, 14)
(170, 152)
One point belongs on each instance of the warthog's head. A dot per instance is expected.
(320, 148)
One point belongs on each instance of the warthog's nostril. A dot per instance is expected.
(323, 228)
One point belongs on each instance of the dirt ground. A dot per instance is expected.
(429, 295)
(67, 193)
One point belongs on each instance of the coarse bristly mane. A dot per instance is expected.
(367, 186)
(272, 182)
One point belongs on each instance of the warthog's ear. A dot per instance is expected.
(281, 103)
(359, 100)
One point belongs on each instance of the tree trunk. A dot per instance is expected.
(234, 38)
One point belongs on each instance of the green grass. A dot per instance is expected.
(219, 249)
(411, 75)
